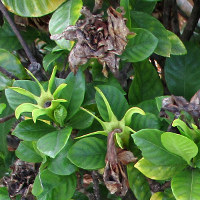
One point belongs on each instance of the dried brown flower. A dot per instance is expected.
(97, 37)
(21, 180)
(115, 172)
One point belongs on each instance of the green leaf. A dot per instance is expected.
(74, 93)
(146, 83)
(157, 196)
(179, 145)
(50, 58)
(12, 64)
(143, 20)
(149, 121)
(177, 47)
(60, 113)
(32, 8)
(66, 15)
(140, 46)
(182, 72)
(52, 143)
(185, 185)
(26, 152)
(29, 131)
(81, 120)
(149, 142)
(143, 6)
(15, 99)
(38, 112)
(5, 82)
(126, 7)
(88, 153)
(61, 165)
(115, 99)
(157, 172)
(4, 194)
(2, 107)
(166, 195)
(138, 183)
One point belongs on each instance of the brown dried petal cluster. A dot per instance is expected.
(21, 180)
(97, 38)
(115, 172)
(176, 104)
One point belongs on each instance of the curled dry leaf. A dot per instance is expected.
(176, 104)
(21, 180)
(115, 171)
(97, 37)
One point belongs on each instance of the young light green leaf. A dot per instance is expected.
(93, 133)
(179, 145)
(149, 142)
(2, 107)
(58, 90)
(157, 172)
(138, 183)
(60, 113)
(25, 107)
(38, 112)
(88, 153)
(52, 143)
(52, 78)
(185, 185)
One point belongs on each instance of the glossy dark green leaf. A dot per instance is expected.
(32, 8)
(177, 47)
(144, 121)
(50, 58)
(182, 72)
(61, 165)
(26, 152)
(179, 145)
(126, 5)
(15, 99)
(186, 185)
(54, 186)
(4, 194)
(149, 106)
(138, 183)
(52, 143)
(143, 20)
(149, 142)
(66, 15)
(29, 131)
(116, 100)
(143, 6)
(81, 120)
(88, 153)
(140, 47)
(74, 93)
(12, 64)
(5, 82)
(146, 83)
(157, 172)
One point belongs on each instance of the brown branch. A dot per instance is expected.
(4, 119)
(8, 74)
(96, 185)
(192, 22)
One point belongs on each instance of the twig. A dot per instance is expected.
(8, 74)
(192, 21)
(96, 185)
(4, 119)
(17, 33)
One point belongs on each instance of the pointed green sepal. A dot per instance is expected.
(93, 133)
(111, 115)
(56, 93)
(99, 120)
(25, 107)
(38, 112)
(51, 80)
(24, 92)
(128, 115)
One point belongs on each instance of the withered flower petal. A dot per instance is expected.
(97, 37)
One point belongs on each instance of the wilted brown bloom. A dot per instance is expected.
(97, 38)
(21, 180)
(176, 104)
(115, 172)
